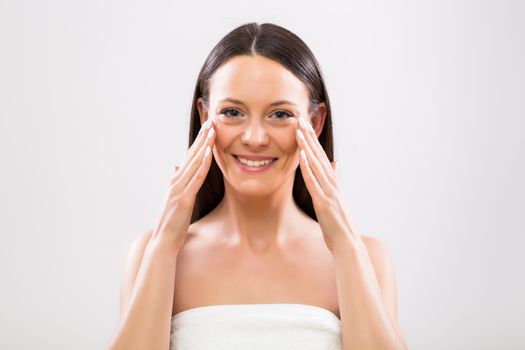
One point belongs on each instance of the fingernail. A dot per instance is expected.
(207, 152)
(303, 123)
(300, 134)
(211, 132)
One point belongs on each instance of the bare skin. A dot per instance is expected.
(213, 268)
(257, 246)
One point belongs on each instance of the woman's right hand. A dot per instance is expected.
(176, 213)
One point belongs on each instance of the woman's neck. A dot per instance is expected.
(259, 223)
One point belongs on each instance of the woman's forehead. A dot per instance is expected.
(249, 77)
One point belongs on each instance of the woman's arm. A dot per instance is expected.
(147, 300)
(146, 322)
(364, 271)
(366, 288)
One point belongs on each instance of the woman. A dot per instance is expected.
(253, 247)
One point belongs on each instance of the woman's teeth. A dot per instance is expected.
(254, 163)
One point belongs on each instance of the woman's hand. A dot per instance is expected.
(175, 216)
(321, 181)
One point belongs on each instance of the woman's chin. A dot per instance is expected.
(253, 187)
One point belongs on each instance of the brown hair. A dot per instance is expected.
(281, 45)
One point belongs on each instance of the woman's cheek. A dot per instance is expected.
(224, 136)
(223, 139)
(287, 141)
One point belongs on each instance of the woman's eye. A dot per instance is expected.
(233, 113)
(286, 115)
(225, 112)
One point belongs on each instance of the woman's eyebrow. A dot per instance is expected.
(276, 103)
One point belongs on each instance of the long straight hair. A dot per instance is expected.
(281, 45)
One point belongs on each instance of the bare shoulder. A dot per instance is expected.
(380, 256)
(141, 240)
(136, 251)
(383, 264)
(375, 245)
(137, 247)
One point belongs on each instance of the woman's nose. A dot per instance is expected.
(255, 134)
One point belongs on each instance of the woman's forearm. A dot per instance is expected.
(146, 323)
(364, 318)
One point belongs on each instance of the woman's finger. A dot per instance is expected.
(197, 180)
(175, 169)
(201, 137)
(195, 147)
(190, 167)
(318, 150)
(314, 163)
(315, 190)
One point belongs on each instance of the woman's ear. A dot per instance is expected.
(203, 111)
(318, 118)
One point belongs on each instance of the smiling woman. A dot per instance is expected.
(255, 102)
(254, 247)
(258, 80)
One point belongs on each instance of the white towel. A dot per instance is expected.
(256, 326)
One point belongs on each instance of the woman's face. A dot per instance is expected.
(252, 122)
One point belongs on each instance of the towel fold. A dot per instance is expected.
(256, 326)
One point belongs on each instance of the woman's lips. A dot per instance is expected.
(249, 168)
(253, 157)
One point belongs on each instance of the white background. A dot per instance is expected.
(428, 111)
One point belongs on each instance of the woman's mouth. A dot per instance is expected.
(254, 165)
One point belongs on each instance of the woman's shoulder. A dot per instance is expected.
(380, 256)
(374, 244)
(371, 241)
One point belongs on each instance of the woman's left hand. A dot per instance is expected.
(322, 183)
